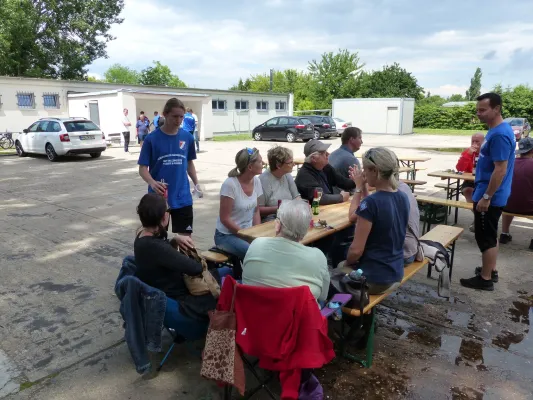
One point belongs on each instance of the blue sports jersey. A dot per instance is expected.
(166, 157)
(499, 145)
(189, 123)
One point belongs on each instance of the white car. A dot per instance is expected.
(341, 125)
(57, 137)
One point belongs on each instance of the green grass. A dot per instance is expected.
(232, 137)
(450, 132)
(8, 151)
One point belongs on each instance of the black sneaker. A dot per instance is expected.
(477, 282)
(531, 245)
(493, 275)
(505, 238)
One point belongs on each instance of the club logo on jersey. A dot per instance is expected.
(182, 144)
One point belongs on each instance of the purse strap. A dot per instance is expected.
(233, 297)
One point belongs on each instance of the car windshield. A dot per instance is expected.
(305, 121)
(80, 126)
(515, 122)
(316, 120)
(338, 119)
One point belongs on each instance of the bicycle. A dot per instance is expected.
(6, 140)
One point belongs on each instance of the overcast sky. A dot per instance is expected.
(210, 43)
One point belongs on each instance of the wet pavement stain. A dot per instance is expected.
(466, 393)
(55, 287)
(43, 362)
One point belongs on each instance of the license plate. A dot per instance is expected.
(308, 128)
(87, 137)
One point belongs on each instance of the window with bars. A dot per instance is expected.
(281, 105)
(51, 100)
(25, 100)
(241, 105)
(262, 105)
(219, 105)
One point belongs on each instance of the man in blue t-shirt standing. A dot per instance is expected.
(188, 121)
(166, 158)
(494, 173)
(155, 121)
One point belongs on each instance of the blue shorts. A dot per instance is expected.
(141, 137)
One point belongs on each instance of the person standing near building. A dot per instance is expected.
(126, 133)
(196, 131)
(142, 128)
(155, 121)
(494, 173)
(166, 159)
(188, 122)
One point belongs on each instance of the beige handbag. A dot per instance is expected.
(201, 284)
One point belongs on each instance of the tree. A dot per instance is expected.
(54, 38)
(456, 97)
(391, 81)
(334, 76)
(474, 90)
(121, 74)
(431, 100)
(160, 75)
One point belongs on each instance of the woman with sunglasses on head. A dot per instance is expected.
(239, 202)
(161, 266)
(381, 221)
(277, 182)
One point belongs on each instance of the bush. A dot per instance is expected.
(436, 117)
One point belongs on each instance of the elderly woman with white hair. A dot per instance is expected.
(381, 222)
(282, 261)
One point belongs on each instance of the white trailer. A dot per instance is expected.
(381, 116)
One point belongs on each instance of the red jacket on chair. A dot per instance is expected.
(283, 328)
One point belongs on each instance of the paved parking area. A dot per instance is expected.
(66, 227)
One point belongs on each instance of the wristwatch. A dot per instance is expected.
(358, 190)
(486, 196)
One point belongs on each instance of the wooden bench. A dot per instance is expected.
(446, 235)
(412, 183)
(217, 258)
(431, 210)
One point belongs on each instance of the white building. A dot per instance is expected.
(383, 116)
(25, 100)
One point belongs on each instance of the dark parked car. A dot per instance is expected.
(324, 125)
(285, 128)
(520, 127)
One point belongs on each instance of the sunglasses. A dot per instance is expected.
(251, 152)
(368, 155)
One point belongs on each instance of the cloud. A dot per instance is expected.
(490, 55)
(212, 44)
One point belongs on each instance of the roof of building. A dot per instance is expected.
(140, 91)
(114, 85)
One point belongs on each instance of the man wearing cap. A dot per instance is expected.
(521, 198)
(317, 173)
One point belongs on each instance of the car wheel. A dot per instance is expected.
(96, 155)
(51, 153)
(257, 136)
(316, 135)
(20, 150)
(290, 137)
